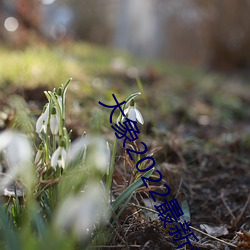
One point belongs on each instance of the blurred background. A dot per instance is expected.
(193, 60)
(212, 34)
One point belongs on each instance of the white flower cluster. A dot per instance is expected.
(81, 213)
(63, 153)
(52, 117)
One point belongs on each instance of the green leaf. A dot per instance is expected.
(122, 209)
(65, 87)
(132, 96)
(39, 222)
(10, 236)
(129, 190)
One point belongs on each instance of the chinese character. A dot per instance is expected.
(172, 210)
(127, 127)
(178, 235)
(114, 107)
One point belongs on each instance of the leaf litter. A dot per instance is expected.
(203, 152)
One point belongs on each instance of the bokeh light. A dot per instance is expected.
(48, 2)
(11, 24)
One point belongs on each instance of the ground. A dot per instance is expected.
(196, 127)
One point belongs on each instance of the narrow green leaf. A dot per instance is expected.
(10, 236)
(128, 191)
(65, 87)
(132, 96)
(139, 84)
(122, 209)
(47, 95)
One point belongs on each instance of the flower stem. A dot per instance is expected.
(112, 166)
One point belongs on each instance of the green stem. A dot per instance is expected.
(112, 166)
(54, 142)
(63, 101)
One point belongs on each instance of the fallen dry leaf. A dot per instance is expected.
(245, 236)
(214, 230)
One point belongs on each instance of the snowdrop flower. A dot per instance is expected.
(133, 113)
(17, 152)
(54, 121)
(39, 154)
(42, 122)
(59, 157)
(79, 214)
(77, 149)
(98, 152)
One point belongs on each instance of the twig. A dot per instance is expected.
(212, 237)
(117, 246)
(195, 229)
(227, 207)
(179, 188)
(236, 220)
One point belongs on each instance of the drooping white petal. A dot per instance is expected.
(42, 121)
(77, 148)
(5, 139)
(126, 111)
(101, 155)
(98, 152)
(19, 151)
(62, 161)
(39, 123)
(55, 156)
(44, 127)
(59, 158)
(54, 124)
(46, 113)
(64, 154)
(18, 156)
(139, 116)
(132, 114)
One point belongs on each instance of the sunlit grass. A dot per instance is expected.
(90, 66)
(43, 64)
(37, 65)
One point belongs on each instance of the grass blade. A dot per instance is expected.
(128, 191)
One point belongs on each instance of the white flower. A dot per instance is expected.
(78, 214)
(59, 157)
(17, 152)
(133, 113)
(42, 122)
(54, 121)
(98, 152)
